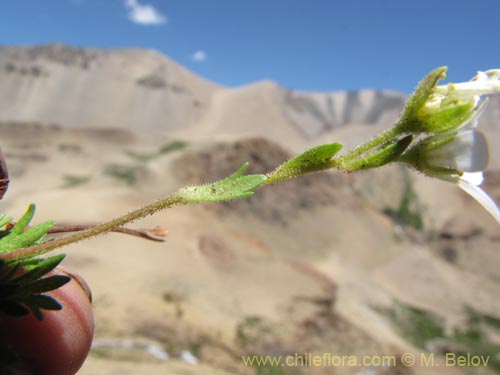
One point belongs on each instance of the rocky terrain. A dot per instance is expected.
(382, 262)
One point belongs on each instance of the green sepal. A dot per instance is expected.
(424, 90)
(417, 155)
(382, 156)
(311, 160)
(446, 119)
(235, 186)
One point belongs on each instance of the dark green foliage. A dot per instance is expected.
(71, 181)
(164, 149)
(17, 237)
(421, 327)
(172, 146)
(22, 291)
(128, 174)
(251, 331)
(22, 282)
(472, 337)
(416, 325)
(409, 212)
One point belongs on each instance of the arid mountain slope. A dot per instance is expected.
(143, 91)
(134, 89)
(319, 264)
(146, 92)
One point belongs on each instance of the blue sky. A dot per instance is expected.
(314, 45)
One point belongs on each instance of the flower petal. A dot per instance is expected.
(493, 74)
(468, 152)
(472, 151)
(474, 178)
(479, 107)
(482, 84)
(480, 196)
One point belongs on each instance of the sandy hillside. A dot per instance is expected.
(133, 89)
(144, 91)
(312, 265)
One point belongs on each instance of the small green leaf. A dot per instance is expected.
(44, 302)
(311, 160)
(7, 273)
(41, 268)
(24, 221)
(382, 156)
(22, 280)
(235, 186)
(48, 283)
(32, 236)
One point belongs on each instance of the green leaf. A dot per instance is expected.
(235, 186)
(8, 273)
(43, 267)
(311, 160)
(37, 302)
(16, 240)
(44, 302)
(382, 156)
(21, 288)
(49, 283)
(24, 221)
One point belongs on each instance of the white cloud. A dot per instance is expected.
(199, 56)
(144, 14)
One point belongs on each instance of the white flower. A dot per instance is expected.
(484, 83)
(459, 158)
(469, 182)
(448, 145)
(472, 94)
(465, 151)
(460, 154)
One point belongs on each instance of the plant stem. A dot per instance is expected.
(149, 209)
(147, 234)
(342, 161)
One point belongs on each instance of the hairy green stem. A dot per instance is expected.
(108, 226)
(343, 161)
